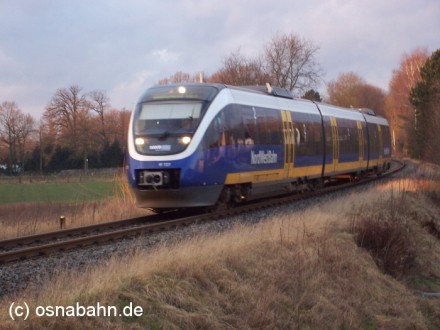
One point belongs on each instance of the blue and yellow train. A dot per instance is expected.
(195, 145)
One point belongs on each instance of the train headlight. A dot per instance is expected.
(139, 141)
(185, 139)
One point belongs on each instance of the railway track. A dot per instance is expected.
(43, 244)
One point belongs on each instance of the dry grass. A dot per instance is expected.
(29, 219)
(297, 271)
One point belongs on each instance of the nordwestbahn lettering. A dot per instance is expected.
(264, 157)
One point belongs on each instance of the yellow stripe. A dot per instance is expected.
(309, 171)
(351, 166)
(254, 176)
(272, 175)
(306, 171)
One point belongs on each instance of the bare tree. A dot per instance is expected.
(290, 62)
(117, 125)
(64, 110)
(69, 110)
(351, 91)
(25, 130)
(238, 70)
(99, 102)
(181, 77)
(344, 90)
(15, 130)
(402, 112)
(8, 130)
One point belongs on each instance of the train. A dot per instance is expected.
(210, 145)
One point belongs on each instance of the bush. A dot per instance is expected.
(389, 243)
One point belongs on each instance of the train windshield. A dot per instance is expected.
(167, 117)
(171, 115)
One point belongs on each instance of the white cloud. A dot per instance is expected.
(126, 93)
(165, 55)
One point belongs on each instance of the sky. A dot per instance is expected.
(123, 47)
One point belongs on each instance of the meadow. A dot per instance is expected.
(360, 261)
(34, 205)
(55, 192)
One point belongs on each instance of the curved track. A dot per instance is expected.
(43, 244)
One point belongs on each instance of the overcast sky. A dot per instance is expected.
(123, 47)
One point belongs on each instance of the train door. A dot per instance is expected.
(288, 142)
(361, 143)
(379, 133)
(335, 140)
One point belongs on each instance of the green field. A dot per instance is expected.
(56, 192)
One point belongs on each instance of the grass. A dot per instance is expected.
(81, 203)
(38, 192)
(296, 270)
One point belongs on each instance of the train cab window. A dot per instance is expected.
(166, 117)
(169, 115)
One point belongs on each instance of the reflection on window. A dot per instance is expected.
(245, 126)
(166, 118)
(348, 137)
(307, 133)
(155, 111)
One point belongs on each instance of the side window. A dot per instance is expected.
(240, 125)
(386, 138)
(233, 127)
(348, 137)
(374, 140)
(250, 125)
(307, 131)
(214, 136)
(275, 126)
(269, 126)
(262, 129)
(328, 140)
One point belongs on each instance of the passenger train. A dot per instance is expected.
(197, 145)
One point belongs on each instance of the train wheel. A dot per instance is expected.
(241, 192)
(223, 202)
(225, 196)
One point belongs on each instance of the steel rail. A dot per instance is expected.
(92, 239)
(173, 221)
(79, 231)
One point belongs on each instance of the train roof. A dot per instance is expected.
(339, 112)
(283, 95)
(267, 89)
(306, 105)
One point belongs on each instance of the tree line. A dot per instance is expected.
(81, 130)
(77, 130)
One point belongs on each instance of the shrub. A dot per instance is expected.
(388, 242)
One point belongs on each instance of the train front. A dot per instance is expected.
(165, 157)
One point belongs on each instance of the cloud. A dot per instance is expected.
(164, 55)
(126, 93)
(125, 47)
